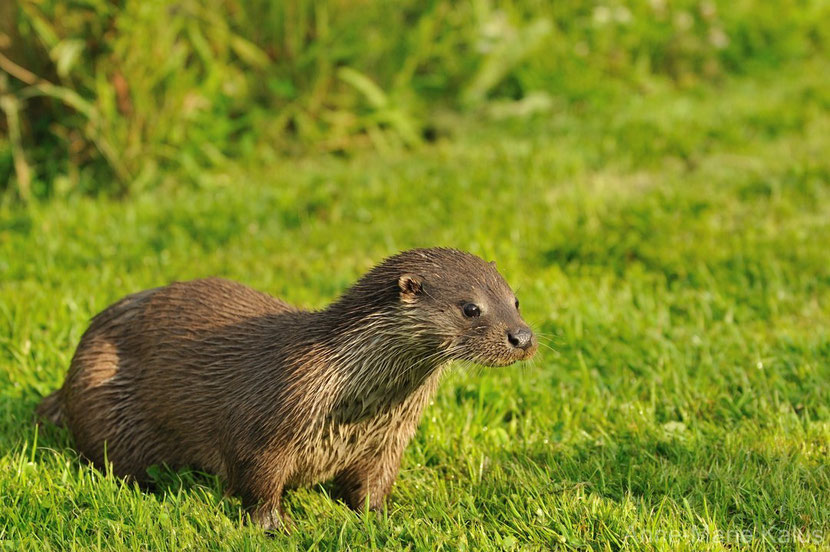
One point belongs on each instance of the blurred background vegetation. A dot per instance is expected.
(103, 96)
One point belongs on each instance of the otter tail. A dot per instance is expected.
(51, 408)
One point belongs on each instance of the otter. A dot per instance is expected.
(213, 374)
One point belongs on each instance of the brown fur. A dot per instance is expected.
(212, 374)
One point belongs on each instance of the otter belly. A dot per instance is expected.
(331, 446)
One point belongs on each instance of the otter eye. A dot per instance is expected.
(517, 304)
(471, 310)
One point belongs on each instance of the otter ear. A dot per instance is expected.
(493, 264)
(411, 286)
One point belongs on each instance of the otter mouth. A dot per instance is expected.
(487, 353)
(502, 361)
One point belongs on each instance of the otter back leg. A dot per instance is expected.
(108, 423)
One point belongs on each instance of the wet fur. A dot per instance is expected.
(213, 374)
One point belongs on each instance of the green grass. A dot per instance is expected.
(671, 249)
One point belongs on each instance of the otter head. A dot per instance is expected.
(462, 304)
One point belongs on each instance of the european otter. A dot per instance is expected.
(213, 374)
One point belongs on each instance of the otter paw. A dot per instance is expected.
(272, 520)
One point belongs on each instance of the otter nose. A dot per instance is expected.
(521, 338)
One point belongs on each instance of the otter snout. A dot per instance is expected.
(520, 338)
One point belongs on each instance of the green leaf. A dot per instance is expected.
(511, 51)
(363, 84)
(65, 54)
(249, 52)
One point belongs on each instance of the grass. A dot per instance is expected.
(670, 248)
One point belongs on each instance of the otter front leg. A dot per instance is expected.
(261, 489)
(271, 517)
(369, 480)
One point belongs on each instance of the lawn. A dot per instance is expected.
(670, 248)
